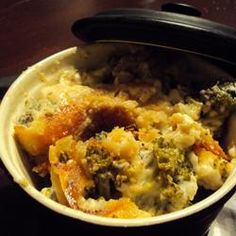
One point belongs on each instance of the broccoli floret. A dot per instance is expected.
(172, 169)
(168, 157)
(98, 160)
(218, 103)
(108, 173)
(26, 118)
(171, 161)
(221, 98)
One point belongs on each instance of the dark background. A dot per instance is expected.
(31, 30)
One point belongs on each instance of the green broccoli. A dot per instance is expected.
(218, 103)
(171, 161)
(108, 173)
(172, 167)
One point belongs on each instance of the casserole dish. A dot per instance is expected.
(165, 30)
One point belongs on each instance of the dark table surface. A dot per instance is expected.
(31, 30)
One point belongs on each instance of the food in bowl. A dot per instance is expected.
(122, 137)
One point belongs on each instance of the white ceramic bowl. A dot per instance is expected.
(12, 105)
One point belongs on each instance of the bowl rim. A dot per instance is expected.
(19, 178)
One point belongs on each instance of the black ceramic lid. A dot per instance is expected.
(184, 30)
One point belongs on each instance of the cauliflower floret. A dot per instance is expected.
(211, 170)
(189, 188)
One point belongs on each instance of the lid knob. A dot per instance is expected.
(181, 8)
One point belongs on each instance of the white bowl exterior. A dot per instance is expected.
(12, 104)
